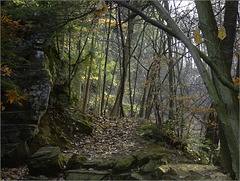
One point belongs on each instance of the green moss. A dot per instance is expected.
(158, 150)
(145, 127)
(59, 139)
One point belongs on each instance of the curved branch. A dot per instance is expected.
(206, 59)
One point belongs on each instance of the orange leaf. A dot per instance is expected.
(20, 104)
(11, 99)
(3, 108)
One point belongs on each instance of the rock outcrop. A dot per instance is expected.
(19, 125)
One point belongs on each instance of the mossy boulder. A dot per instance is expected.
(75, 162)
(123, 163)
(105, 164)
(80, 123)
(46, 161)
(147, 168)
(141, 157)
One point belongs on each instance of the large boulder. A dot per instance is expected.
(46, 161)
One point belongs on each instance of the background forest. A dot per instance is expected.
(173, 63)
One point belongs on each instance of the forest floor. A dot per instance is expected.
(120, 137)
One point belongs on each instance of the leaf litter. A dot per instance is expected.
(110, 136)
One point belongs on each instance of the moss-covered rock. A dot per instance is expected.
(136, 176)
(159, 171)
(123, 163)
(149, 167)
(59, 126)
(46, 161)
(141, 157)
(86, 175)
(91, 163)
(75, 162)
(105, 164)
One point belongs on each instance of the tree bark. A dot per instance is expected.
(219, 53)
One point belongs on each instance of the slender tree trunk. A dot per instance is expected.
(114, 71)
(105, 65)
(170, 67)
(85, 95)
(118, 107)
(69, 65)
(141, 111)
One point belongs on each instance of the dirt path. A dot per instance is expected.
(120, 137)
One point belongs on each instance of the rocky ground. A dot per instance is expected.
(117, 138)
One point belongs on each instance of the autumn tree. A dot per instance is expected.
(220, 87)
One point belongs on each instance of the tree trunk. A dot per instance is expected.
(118, 108)
(226, 118)
(85, 95)
(170, 68)
(105, 65)
(220, 54)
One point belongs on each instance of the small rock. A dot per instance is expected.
(164, 161)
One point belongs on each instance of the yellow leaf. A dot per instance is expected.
(222, 33)
(197, 38)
